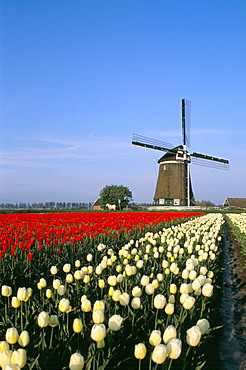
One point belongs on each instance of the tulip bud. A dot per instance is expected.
(185, 274)
(149, 289)
(3, 345)
(64, 305)
(196, 284)
(43, 282)
(111, 291)
(115, 322)
(89, 257)
(173, 288)
(22, 294)
(101, 283)
(144, 280)
(139, 264)
(56, 283)
(15, 302)
(86, 305)
(116, 295)
(78, 275)
(136, 291)
(61, 290)
(118, 268)
(192, 275)
(53, 321)
(189, 302)
(169, 309)
(193, 336)
(11, 335)
(171, 299)
(98, 316)
(136, 303)
(43, 319)
(155, 337)
(207, 290)
(184, 288)
(5, 357)
(140, 351)
(6, 291)
(114, 258)
(159, 301)
(67, 267)
(203, 270)
(155, 283)
(86, 279)
(165, 264)
(69, 278)
(99, 305)
(39, 286)
(173, 267)
(124, 299)
(77, 263)
(119, 278)
(167, 271)
(203, 325)
(76, 361)
(90, 269)
(48, 293)
(159, 354)
(99, 270)
(53, 270)
(98, 332)
(19, 357)
(174, 347)
(210, 274)
(24, 338)
(169, 334)
(112, 280)
(77, 325)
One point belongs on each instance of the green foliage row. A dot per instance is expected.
(238, 234)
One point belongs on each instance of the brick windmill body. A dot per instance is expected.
(173, 187)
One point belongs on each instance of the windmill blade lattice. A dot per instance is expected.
(207, 160)
(185, 121)
(150, 143)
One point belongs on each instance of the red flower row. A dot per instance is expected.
(27, 230)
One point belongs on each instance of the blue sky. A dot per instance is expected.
(79, 77)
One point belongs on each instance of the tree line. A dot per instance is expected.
(47, 205)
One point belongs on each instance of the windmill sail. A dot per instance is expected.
(185, 121)
(207, 160)
(147, 142)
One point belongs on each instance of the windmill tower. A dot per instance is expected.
(173, 185)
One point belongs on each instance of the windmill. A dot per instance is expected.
(173, 185)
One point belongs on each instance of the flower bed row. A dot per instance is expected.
(144, 304)
(237, 223)
(25, 231)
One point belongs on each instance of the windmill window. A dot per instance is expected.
(164, 167)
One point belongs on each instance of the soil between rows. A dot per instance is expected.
(232, 337)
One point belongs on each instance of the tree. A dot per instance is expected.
(204, 203)
(115, 194)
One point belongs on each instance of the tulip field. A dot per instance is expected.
(94, 291)
(238, 224)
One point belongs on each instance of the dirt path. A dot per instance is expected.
(232, 344)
